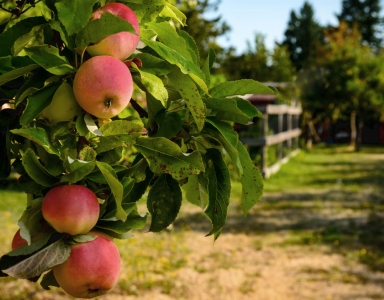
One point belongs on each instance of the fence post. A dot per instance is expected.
(280, 120)
(263, 150)
(289, 128)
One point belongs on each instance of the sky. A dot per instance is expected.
(269, 17)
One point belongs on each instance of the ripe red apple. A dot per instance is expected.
(63, 106)
(103, 86)
(91, 270)
(18, 241)
(72, 209)
(119, 45)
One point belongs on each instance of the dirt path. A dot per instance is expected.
(271, 255)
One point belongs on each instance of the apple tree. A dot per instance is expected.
(89, 112)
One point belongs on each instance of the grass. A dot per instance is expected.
(327, 197)
(329, 168)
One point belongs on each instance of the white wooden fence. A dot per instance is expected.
(289, 135)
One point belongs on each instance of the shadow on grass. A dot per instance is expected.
(348, 223)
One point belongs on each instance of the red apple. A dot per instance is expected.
(103, 86)
(119, 45)
(91, 270)
(72, 209)
(18, 241)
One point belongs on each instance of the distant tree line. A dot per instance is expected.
(337, 69)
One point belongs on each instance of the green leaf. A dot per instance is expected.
(248, 108)
(192, 49)
(137, 171)
(118, 133)
(8, 38)
(58, 26)
(240, 87)
(6, 64)
(168, 36)
(77, 169)
(17, 73)
(146, 11)
(37, 80)
(9, 63)
(112, 157)
(164, 156)
(54, 165)
(153, 106)
(139, 188)
(87, 154)
(81, 127)
(15, 256)
(226, 130)
(98, 29)
(49, 280)
(169, 124)
(40, 262)
(49, 58)
(153, 64)
(233, 109)
(84, 238)
(147, 34)
(97, 176)
(188, 90)
(195, 192)
(39, 136)
(74, 14)
(28, 185)
(227, 137)
(91, 125)
(111, 208)
(35, 170)
(172, 12)
(251, 180)
(116, 188)
(29, 249)
(154, 85)
(186, 66)
(134, 221)
(219, 189)
(37, 102)
(29, 221)
(164, 201)
(23, 41)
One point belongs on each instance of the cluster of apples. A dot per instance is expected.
(93, 267)
(103, 84)
(102, 87)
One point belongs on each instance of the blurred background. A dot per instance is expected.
(318, 232)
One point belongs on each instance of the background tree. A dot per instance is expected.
(348, 81)
(259, 63)
(204, 31)
(366, 14)
(301, 36)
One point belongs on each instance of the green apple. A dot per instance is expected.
(63, 106)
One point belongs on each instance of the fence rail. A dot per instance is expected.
(289, 135)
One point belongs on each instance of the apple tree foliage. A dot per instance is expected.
(178, 140)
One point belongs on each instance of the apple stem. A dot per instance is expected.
(82, 56)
